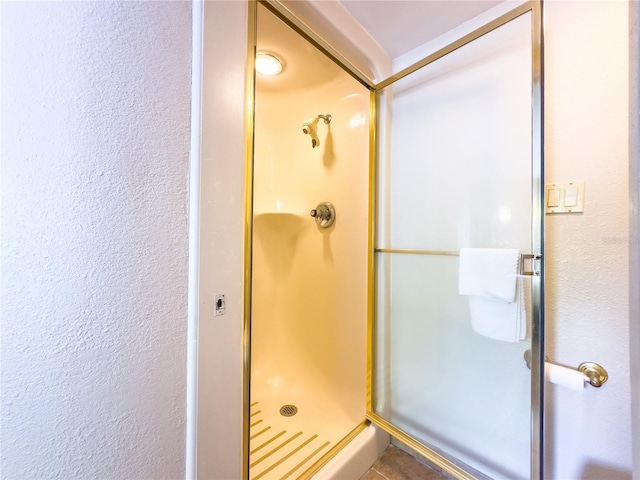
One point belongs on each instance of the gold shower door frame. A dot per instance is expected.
(537, 345)
(537, 229)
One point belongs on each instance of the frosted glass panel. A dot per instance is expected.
(456, 391)
(455, 170)
(459, 170)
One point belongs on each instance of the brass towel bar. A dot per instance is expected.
(416, 252)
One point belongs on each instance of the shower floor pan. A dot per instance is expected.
(283, 446)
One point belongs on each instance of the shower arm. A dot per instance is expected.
(326, 118)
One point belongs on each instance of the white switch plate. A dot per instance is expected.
(218, 303)
(556, 202)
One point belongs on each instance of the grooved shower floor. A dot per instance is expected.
(283, 447)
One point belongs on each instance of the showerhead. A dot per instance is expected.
(309, 127)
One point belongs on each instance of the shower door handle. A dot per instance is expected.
(534, 257)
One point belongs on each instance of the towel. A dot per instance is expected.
(489, 273)
(489, 277)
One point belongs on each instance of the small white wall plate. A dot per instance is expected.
(565, 197)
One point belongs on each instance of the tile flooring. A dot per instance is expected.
(398, 465)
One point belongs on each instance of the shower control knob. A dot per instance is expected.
(321, 213)
(324, 214)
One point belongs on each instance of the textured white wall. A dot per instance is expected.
(95, 143)
(587, 52)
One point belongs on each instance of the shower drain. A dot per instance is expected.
(288, 410)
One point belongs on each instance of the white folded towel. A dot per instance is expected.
(489, 273)
(489, 276)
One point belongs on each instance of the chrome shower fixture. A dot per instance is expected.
(310, 127)
(325, 214)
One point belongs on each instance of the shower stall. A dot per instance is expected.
(309, 273)
(368, 199)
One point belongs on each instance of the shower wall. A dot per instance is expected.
(309, 296)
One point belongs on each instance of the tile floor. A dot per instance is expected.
(398, 465)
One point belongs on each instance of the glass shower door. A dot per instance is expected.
(459, 167)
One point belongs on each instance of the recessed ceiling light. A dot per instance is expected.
(268, 64)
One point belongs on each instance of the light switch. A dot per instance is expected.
(570, 196)
(553, 197)
(565, 197)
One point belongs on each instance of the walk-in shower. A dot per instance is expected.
(309, 265)
(358, 311)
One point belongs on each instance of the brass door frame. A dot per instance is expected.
(537, 347)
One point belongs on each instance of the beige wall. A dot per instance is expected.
(586, 99)
(309, 292)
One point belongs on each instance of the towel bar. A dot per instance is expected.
(416, 252)
(521, 271)
(596, 374)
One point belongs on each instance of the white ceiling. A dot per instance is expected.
(399, 26)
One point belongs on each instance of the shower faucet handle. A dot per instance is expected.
(324, 214)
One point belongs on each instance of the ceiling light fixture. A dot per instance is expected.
(268, 64)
